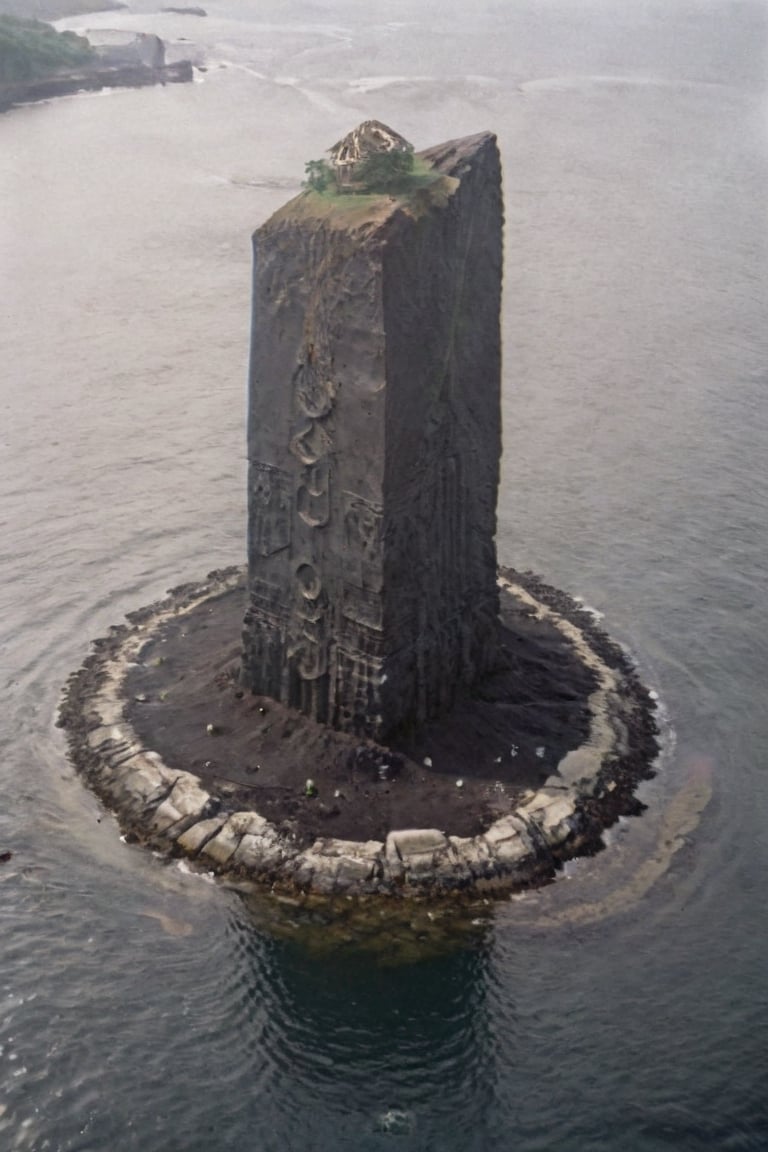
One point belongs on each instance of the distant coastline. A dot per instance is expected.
(92, 80)
(37, 62)
(56, 9)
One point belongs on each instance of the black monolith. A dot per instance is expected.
(374, 439)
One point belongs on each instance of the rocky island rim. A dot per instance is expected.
(160, 803)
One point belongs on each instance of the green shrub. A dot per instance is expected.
(318, 175)
(385, 171)
(30, 50)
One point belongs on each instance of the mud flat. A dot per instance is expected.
(521, 775)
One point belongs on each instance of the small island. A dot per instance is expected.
(374, 707)
(37, 62)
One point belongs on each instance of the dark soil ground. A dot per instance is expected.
(505, 739)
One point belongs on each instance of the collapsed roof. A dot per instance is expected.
(370, 136)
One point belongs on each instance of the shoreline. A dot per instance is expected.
(92, 80)
(486, 835)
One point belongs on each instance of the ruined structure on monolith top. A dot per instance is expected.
(374, 442)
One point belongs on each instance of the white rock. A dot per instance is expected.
(555, 822)
(352, 871)
(258, 851)
(411, 841)
(142, 779)
(512, 850)
(361, 849)
(225, 843)
(186, 799)
(193, 839)
(580, 764)
(419, 850)
(504, 829)
(471, 851)
(110, 709)
(536, 806)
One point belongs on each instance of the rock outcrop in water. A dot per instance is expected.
(93, 80)
(373, 598)
(374, 441)
(117, 48)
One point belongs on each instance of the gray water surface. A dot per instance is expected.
(625, 1007)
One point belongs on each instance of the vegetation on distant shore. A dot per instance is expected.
(31, 50)
(56, 9)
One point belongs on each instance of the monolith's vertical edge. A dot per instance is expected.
(374, 443)
(442, 301)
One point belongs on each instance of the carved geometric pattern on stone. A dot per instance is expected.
(362, 607)
(310, 585)
(311, 602)
(362, 526)
(270, 508)
(393, 473)
(308, 648)
(358, 680)
(313, 498)
(310, 444)
(362, 640)
(313, 662)
(314, 389)
(266, 599)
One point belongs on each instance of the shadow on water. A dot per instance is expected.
(368, 1048)
(387, 933)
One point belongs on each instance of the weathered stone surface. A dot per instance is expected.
(339, 873)
(225, 843)
(372, 480)
(553, 812)
(511, 851)
(556, 782)
(474, 853)
(141, 780)
(352, 872)
(415, 842)
(362, 849)
(98, 738)
(117, 48)
(110, 709)
(419, 853)
(195, 837)
(580, 764)
(506, 828)
(303, 868)
(259, 851)
(185, 800)
(508, 841)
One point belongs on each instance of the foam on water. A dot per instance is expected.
(395, 1122)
